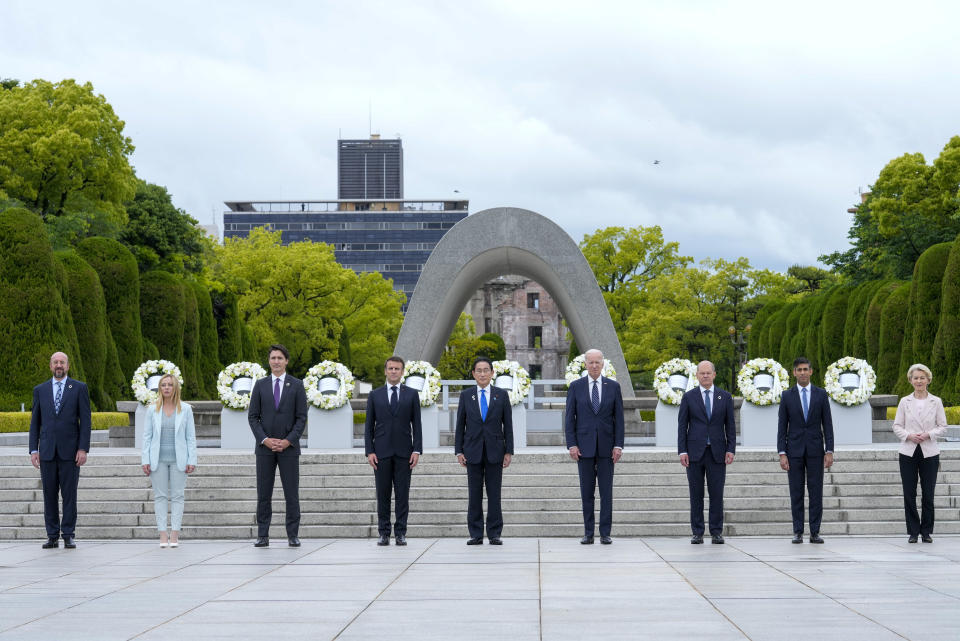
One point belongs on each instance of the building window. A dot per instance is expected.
(535, 371)
(533, 301)
(535, 336)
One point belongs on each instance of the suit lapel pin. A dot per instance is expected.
(473, 398)
(69, 386)
(287, 385)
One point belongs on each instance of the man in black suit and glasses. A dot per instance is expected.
(393, 443)
(278, 416)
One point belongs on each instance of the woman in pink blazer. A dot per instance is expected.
(919, 421)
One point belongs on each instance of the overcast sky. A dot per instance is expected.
(766, 117)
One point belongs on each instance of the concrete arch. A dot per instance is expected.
(496, 242)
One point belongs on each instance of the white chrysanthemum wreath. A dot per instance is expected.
(146, 370)
(661, 379)
(863, 391)
(244, 369)
(328, 369)
(431, 385)
(749, 391)
(521, 379)
(577, 368)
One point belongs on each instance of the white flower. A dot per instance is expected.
(144, 372)
(521, 379)
(243, 369)
(328, 369)
(431, 386)
(661, 379)
(577, 369)
(749, 391)
(865, 389)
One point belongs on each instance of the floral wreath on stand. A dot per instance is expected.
(749, 391)
(328, 369)
(244, 369)
(577, 368)
(661, 379)
(862, 393)
(431, 385)
(147, 369)
(521, 379)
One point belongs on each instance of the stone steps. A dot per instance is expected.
(541, 496)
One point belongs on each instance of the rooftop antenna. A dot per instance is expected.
(369, 117)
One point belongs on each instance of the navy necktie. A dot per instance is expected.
(394, 401)
(595, 397)
(706, 403)
(803, 401)
(59, 397)
(483, 405)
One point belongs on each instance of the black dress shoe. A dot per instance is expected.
(586, 540)
(401, 539)
(815, 538)
(293, 542)
(605, 540)
(926, 538)
(52, 542)
(798, 537)
(475, 541)
(912, 539)
(696, 539)
(384, 539)
(716, 539)
(496, 541)
(68, 542)
(262, 542)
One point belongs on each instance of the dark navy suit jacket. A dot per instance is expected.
(393, 434)
(473, 433)
(287, 421)
(60, 435)
(595, 434)
(694, 427)
(813, 436)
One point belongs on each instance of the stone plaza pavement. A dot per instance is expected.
(851, 588)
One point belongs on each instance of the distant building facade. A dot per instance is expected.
(370, 169)
(529, 321)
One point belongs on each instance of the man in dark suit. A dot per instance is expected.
(277, 416)
(594, 431)
(59, 442)
(706, 441)
(483, 443)
(805, 444)
(393, 441)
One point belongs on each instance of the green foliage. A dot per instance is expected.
(893, 320)
(833, 321)
(163, 316)
(150, 353)
(190, 366)
(88, 309)
(874, 311)
(12, 422)
(209, 363)
(226, 313)
(759, 336)
(63, 154)
(120, 280)
(855, 327)
(501, 352)
(812, 278)
(160, 235)
(923, 314)
(778, 330)
(812, 331)
(457, 359)
(35, 318)
(792, 334)
(946, 345)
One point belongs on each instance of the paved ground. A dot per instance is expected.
(851, 588)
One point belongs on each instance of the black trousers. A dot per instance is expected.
(480, 475)
(807, 469)
(716, 475)
(60, 478)
(393, 477)
(926, 468)
(596, 470)
(267, 464)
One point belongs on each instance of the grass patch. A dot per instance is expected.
(20, 421)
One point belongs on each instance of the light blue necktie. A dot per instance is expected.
(59, 396)
(483, 405)
(803, 401)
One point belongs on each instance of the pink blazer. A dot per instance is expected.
(910, 420)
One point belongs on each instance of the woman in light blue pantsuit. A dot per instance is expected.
(169, 454)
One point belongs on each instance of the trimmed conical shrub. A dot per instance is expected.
(893, 320)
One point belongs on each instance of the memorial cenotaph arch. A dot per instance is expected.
(496, 242)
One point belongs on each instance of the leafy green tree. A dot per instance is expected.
(892, 323)
(501, 353)
(833, 321)
(854, 331)
(226, 313)
(457, 359)
(63, 154)
(758, 343)
(192, 385)
(163, 316)
(812, 278)
(162, 236)
(874, 312)
(946, 345)
(209, 364)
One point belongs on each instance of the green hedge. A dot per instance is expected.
(162, 315)
(190, 366)
(834, 320)
(923, 314)
(30, 333)
(210, 364)
(953, 414)
(874, 310)
(811, 346)
(855, 330)
(757, 344)
(226, 313)
(892, 323)
(792, 330)
(120, 280)
(946, 345)
(778, 327)
(20, 421)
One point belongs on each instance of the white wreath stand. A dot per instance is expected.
(235, 432)
(758, 425)
(331, 429)
(667, 419)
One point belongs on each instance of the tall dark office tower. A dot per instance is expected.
(370, 169)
